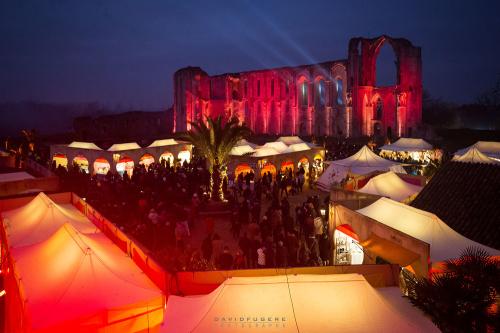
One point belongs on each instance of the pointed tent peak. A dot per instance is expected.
(408, 145)
(265, 151)
(163, 142)
(84, 145)
(244, 142)
(474, 155)
(124, 146)
(297, 147)
(489, 148)
(364, 156)
(290, 140)
(276, 145)
(241, 150)
(390, 185)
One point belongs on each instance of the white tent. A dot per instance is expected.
(71, 282)
(124, 146)
(445, 243)
(290, 140)
(408, 145)
(297, 147)
(361, 163)
(392, 186)
(84, 145)
(279, 146)
(40, 218)
(243, 147)
(474, 155)
(295, 303)
(163, 143)
(265, 151)
(488, 148)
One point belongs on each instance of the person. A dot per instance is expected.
(281, 255)
(225, 259)
(206, 248)
(239, 260)
(261, 257)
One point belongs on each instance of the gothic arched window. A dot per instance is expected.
(378, 109)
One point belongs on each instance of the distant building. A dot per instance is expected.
(128, 126)
(331, 98)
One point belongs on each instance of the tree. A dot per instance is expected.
(462, 298)
(214, 140)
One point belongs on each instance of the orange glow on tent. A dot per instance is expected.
(146, 160)
(242, 168)
(348, 230)
(287, 165)
(268, 167)
(101, 166)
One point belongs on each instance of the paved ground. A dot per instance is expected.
(223, 225)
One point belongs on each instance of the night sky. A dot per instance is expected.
(122, 54)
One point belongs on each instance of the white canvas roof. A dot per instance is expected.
(390, 185)
(265, 151)
(445, 243)
(279, 146)
(40, 218)
(294, 303)
(361, 163)
(489, 148)
(241, 150)
(408, 144)
(290, 140)
(71, 280)
(84, 145)
(474, 155)
(124, 146)
(162, 143)
(14, 176)
(244, 142)
(297, 147)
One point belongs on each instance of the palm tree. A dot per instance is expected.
(214, 140)
(462, 298)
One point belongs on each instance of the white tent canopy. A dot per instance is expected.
(361, 163)
(488, 148)
(124, 146)
(290, 140)
(277, 145)
(474, 155)
(265, 151)
(84, 145)
(390, 185)
(40, 218)
(297, 147)
(445, 243)
(408, 145)
(294, 303)
(73, 281)
(244, 142)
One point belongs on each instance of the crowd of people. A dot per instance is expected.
(160, 206)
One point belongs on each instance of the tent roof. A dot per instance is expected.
(489, 148)
(305, 303)
(265, 151)
(279, 146)
(84, 145)
(390, 185)
(71, 277)
(445, 243)
(14, 176)
(361, 163)
(474, 155)
(244, 142)
(124, 146)
(162, 143)
(297, 147)
(408, 144)
(290, 140)
(241, 150)
(40, 218)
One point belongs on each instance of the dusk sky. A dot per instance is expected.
(124, 53)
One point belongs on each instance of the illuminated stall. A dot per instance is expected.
(101, 166)
(347, 251)
(125, 164)
(60, 160)
(82, 163)
(146, 160)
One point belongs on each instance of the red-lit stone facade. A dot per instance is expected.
(330, 98)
